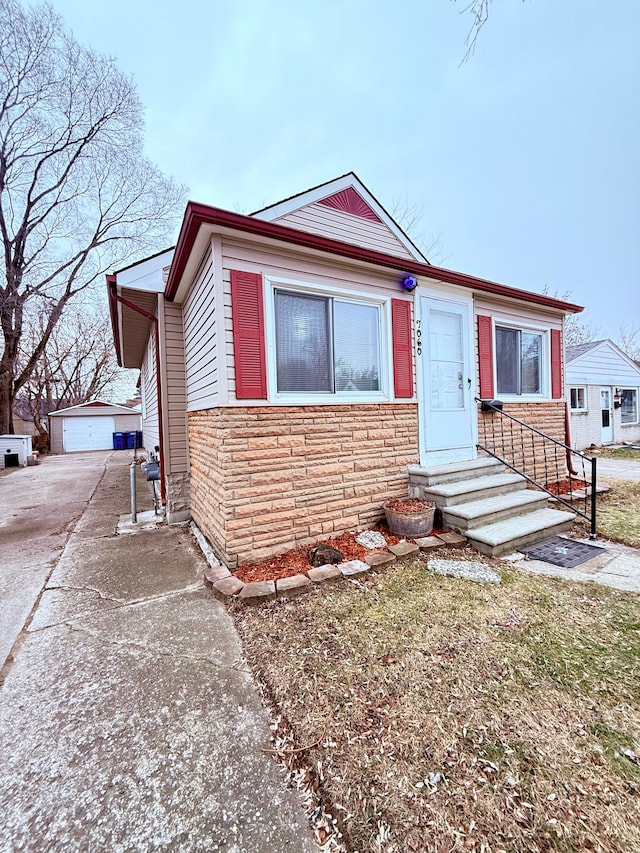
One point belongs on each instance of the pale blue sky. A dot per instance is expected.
(524, 159)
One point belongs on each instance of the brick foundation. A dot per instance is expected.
(264, 480)
(540, 455)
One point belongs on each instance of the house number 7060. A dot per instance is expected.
(418, 337)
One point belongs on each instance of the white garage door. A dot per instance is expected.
(88, 433)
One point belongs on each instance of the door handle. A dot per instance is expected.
(469, 384)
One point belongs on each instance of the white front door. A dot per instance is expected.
(447, 405)
(606, 414)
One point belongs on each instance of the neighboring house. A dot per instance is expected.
(90, 426)
(295, 362)
(602, 391)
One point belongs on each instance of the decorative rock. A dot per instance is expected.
(289, 587)
(324, 573)
(468, 569)
(455, 539)
(228, 587)
(257, 592)
(380, 558)
(323, 554)
(404, 550)
(216, 573)
(427, 543)
(353, 568)
(370, 539)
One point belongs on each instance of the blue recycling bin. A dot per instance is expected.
(134, 440)
(119, 441)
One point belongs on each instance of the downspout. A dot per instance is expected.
(154, 320)
(567, 438)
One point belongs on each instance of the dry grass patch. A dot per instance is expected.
(447, 715)
(619, 512)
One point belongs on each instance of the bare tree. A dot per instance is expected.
(628, 339)
(77, 364)
(77, 195)
(409, 217)
(478, 10)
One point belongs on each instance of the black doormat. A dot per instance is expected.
(562, 552)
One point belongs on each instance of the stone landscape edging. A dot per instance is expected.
(227, 587)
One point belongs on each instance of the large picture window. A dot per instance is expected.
(519, 359)
(629, 406)
(326, 345)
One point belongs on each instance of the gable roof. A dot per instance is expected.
(600, 362)
(576, 350)
(201, 221)
(346, 194)
(96, 405)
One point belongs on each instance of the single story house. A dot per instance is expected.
(603, 385)
(90, 426)
(298, 363)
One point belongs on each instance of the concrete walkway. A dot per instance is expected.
(128, 719)
(614, 565)
(622, 469)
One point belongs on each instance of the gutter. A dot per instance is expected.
(198, 215)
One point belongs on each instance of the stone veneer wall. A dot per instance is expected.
(546, 417)
(264, 480)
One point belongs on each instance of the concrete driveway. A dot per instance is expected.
(39, 508)
(128, 718)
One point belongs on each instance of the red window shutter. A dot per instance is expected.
(402, 348)
(485, 356)
(247, 314)
(556, 364)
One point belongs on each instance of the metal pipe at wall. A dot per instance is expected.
(132, 488)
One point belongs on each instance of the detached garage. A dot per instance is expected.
(90, 426)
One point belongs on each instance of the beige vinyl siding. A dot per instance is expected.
(126, 423)
(151, 434)
(327, 222)
(295, 268)
(200, 340)
(175, 403)
(55, 435)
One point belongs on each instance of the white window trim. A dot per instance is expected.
(307, 398)
(637, 420)
(585, 408)
(545, 373)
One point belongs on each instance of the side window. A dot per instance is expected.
(578, 401)
(629, 406)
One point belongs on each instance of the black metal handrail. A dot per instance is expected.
(525, 449)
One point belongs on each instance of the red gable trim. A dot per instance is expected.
(348, 201)
(197, 215)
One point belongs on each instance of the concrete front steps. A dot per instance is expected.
(494, 509)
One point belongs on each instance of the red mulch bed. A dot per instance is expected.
(296, 562)
(566, 486)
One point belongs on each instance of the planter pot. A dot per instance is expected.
(411, 525)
